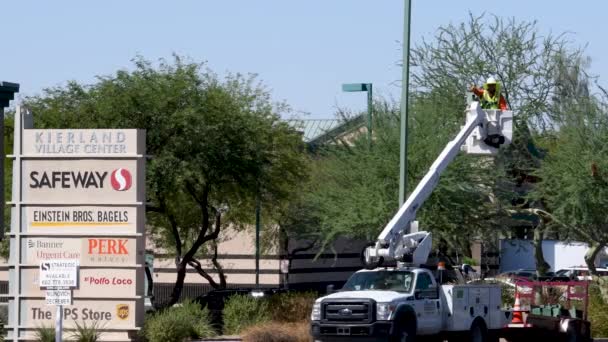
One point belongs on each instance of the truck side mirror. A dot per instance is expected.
(330, 289)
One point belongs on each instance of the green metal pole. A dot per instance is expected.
(404, 103)
(370, 108)
(257, 241)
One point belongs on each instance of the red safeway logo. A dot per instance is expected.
(121, 179)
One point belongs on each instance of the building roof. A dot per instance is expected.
(320, 131)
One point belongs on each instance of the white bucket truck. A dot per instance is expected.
(410, 300)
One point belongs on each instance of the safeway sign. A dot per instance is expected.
(80, 181)
(59, 273)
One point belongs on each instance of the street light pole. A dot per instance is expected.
(405, 81)
(353, 87)
(257, 240)
(7, 93)
(370, 108)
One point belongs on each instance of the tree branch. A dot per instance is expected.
(174, 230)
(199, 269)
(216, 264)
(202, 237)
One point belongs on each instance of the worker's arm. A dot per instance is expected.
(502, 103)
(477, 91)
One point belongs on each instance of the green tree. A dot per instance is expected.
(355, 189)
(216, 146)
(525, 62)
(574, 175)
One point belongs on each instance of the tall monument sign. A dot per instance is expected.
(78, 197)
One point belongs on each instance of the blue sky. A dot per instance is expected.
(302, 50)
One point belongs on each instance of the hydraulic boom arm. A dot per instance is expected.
(483, 133)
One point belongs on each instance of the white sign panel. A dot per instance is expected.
(90, 251)
(85, 142)
(108, 313)
(80, 181)
(92, 282)
(81, 220)
(58, 297)
(59, 273)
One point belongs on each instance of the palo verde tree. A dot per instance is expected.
(524, 61)
(216, 146)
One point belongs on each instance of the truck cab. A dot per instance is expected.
(372, 301)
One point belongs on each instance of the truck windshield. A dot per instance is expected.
(400, 281)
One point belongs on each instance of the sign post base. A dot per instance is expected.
(59, 323)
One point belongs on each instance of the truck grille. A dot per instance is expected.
(346, 310)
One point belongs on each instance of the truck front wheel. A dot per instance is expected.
(405, 331)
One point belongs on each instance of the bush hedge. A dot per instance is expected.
(597, 313)
(292, 306)
(278, 332)
(178, 323)
(242, 311)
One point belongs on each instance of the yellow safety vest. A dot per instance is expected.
(490, 102)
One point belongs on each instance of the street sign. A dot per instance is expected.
(58, 297)
(59, 273)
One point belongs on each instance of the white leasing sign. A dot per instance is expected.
(59, 273)
(58, 297)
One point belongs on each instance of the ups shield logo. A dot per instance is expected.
(122, 311)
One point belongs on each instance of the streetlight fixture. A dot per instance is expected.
(353, 87)
(7, 93)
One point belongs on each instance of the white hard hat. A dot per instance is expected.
(491, 80)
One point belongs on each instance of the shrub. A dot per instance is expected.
(507, 295)
(278, 332)
(178, 323)
(469, 261)
(165, 327)
(242, 311)
(597, 313)
(197, 318)
(45, 334)
(292, 306)
(86, 333)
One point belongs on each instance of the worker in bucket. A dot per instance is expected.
(490, 95)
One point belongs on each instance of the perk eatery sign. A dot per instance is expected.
(92, 251)
(77, 230)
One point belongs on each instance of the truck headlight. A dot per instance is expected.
(316, 312)
(384, 311)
